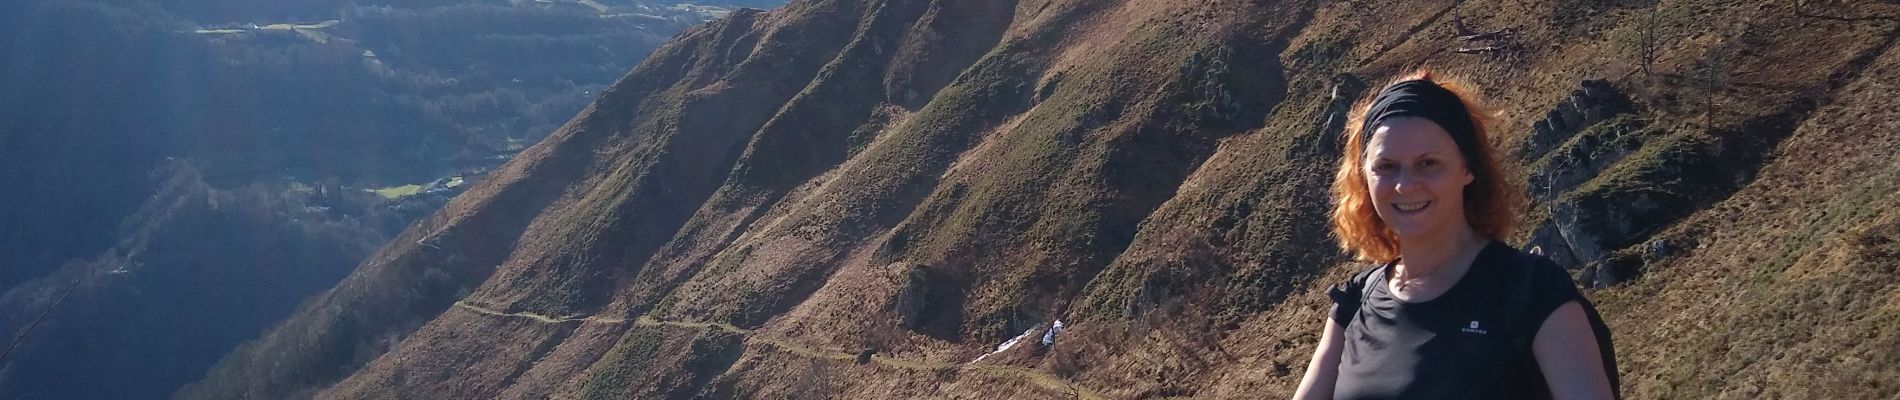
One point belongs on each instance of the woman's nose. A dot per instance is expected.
(1405, 181)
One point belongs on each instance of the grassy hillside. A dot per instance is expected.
(915, 182)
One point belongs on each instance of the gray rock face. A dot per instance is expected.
(1588, 132)
(1576, 150)
(1589, 226)
(912, 299)
(1584, 157)
(1586, 230)
(1332, 124)
(1595, 102)
(1549, 238)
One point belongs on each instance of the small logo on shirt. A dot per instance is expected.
(1473, 328)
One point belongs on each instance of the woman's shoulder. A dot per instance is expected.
(1520, 271)
(1350, 289)
(1534, 280)
(1501, 254)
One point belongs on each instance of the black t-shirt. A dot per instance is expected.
(1456, 346)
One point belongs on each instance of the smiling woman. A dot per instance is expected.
(1448, 311)
(1370, 169)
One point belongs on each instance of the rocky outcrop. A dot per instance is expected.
(1588, 132)
(1616, 182)
(913, 299)
(1332, 122)
(1585, 156)
(1586, 106)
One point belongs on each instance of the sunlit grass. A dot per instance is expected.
(394, 192)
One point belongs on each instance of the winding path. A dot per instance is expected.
(1039, 378)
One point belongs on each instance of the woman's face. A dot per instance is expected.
(1416, 177)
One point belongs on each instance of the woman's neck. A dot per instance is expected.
(1430, 254)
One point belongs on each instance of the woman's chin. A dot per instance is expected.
(1409, 231)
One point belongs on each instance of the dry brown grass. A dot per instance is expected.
(1081, 169)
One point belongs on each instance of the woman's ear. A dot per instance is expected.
(1469, 178)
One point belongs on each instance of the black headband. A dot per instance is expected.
(1424, 99)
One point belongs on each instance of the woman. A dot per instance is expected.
(1419, 194)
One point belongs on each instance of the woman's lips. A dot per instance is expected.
(1411, 208)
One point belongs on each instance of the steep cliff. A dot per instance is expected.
(858, 198)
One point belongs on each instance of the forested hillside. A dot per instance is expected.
(179, 175)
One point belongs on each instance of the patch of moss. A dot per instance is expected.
(1603, 138)
(1657, 166)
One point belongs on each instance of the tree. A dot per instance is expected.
(1712, 74)
(1646, 39)
(1643, 41)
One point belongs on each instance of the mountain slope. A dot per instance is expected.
(180, 175)
(915, 181)
(198, 270)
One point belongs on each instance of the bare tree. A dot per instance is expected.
(1643, 41)
(1712, 74)
(1646, 42)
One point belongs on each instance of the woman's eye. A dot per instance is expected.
(1384, 168)
(1428, 163)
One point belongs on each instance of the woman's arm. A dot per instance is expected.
(1566, 350)
(1323, 371)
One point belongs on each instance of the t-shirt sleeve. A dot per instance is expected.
(1551, 287)
(1345, 297)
